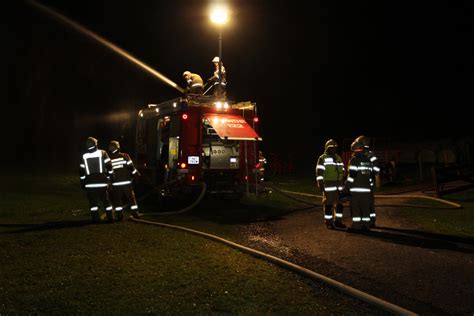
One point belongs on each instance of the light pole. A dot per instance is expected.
(219, 16)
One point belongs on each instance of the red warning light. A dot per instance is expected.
(184, 116)
(255, 119)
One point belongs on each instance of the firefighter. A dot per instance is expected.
(359, 185)
(194, 82)
(122, 183)
(95, 171)
(219, 86)
(329, 177)
(365, 141)
(262, 161)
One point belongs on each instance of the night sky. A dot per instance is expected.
(385, 69)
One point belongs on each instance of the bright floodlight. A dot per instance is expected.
(219, 15)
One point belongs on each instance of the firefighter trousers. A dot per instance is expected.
(96, 195)
(331, 198)
(123, 195)
(360, 209)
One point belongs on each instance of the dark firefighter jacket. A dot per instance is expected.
(329, 171)
(123, 167)
(375, 165)
(95, 169)
(360, 173)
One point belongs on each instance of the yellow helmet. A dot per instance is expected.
(91, 142)
(364, 140)
(356, 146)
(114, 145)
(330, 143)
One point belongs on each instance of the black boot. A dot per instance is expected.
(372, 222)
(135, 213)
(329, 224)
(110, 216)
(339, 224)
(95, 217)
(119, 216)
(327, 213)
(355, 227)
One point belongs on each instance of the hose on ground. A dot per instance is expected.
(452, 205)
(285, 193)
(185, 209)
(370, 299)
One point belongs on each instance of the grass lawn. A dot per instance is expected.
(54, 261)
(454, 222)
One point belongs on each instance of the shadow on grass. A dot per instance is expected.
(419, 239)
(45, 226)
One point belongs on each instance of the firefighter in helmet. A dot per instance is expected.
(122, 184)
(194, 82)
(219, 86)
(359, 184)
(95, 171)
(365, 141)
(329, 177)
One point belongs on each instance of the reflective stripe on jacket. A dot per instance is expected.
(360, 173)
(95, 169)
(123, 167)
(329, 168)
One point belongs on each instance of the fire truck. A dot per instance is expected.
(197, 139)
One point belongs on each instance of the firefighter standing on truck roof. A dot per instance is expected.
(194, 82)
(358, 182)
(122, 183)
(329, 177)
(95, 170)
(365, 141)
(219, 86)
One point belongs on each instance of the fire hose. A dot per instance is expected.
(452, 205)
(180, 211)
(363, 296)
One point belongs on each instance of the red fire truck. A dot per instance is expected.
(197, 138)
